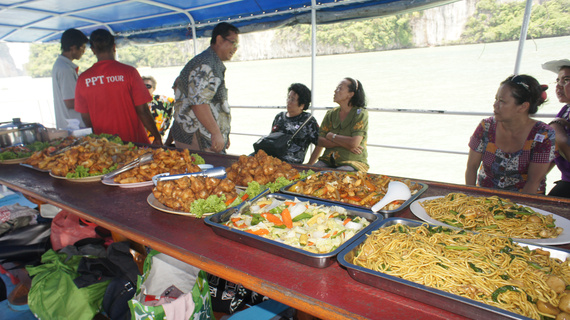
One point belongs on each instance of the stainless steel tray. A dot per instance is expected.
(312, 259)
(386, 213)
(438, 298)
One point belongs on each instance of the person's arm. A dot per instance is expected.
(473, 162)
(206, 118)
(536, 173)
(148, 122)
(86, 119)
(561, 137)
(349, 143)
(315, 155)
(69, 104)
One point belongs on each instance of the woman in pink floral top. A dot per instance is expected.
(511, 150)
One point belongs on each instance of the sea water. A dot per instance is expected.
(461, 78)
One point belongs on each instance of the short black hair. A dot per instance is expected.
(303, 92)
(101, 40)
(223, 29)
(72, 37)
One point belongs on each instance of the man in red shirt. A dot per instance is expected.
(111, 96)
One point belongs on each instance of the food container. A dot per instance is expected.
(296, 254)
(18, 133)
(438, 298)
(387, 213)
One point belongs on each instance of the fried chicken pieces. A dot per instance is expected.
(94, 154)
(261, 168)
(180, 193)
(164, 160)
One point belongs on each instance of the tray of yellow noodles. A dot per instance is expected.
(476, 275)
(494, 215)
(307, 231)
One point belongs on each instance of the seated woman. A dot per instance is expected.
(298, 100)
(344, 130)
(513, 149)
(161, 108)
(562, 125)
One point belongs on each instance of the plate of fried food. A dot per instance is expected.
(92, 156)
(194, 195)
(359, 189)
(19, 154)
(494, 215)
(163, 161)
(261, 168)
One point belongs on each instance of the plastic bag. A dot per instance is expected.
(53, 294)
(67, 228)
(171, 289)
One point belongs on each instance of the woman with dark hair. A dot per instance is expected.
(512, 150)
(344, 130)
(298, 100)
(561, 125)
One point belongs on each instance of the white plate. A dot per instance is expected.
(111, 182)
(14, 161)
(561, 222)
(159, 206)
(86, 179)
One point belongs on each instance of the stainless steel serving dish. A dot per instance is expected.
(438, 298)
(312, 259)
(387, 213)
(18, 133)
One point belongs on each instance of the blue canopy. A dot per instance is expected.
(148, 21)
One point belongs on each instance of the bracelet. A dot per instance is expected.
(334, 136)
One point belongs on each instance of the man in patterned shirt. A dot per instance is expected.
(202, 118)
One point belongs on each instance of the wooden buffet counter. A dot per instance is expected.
(328, 293)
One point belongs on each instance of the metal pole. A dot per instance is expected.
(522, 39)
(313, 48)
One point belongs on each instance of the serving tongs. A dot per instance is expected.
(246, 204)
(76, 143)
(217, 172)
(143, 159)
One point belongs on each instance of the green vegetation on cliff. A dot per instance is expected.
(492, 21)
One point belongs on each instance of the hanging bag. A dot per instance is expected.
(171, 289)
(276, 144)
(54, 295)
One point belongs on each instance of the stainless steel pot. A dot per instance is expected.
(18, 133)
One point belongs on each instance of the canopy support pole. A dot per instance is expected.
(313, 49)
(524, 31)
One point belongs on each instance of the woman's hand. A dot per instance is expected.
(357, 150)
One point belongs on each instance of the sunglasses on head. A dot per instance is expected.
(519, 80)
(148, 86)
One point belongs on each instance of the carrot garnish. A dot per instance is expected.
(346, 221)
(259, 232)
(272, 218)
(286, 215)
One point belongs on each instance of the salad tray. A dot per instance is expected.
(419, 188)
(317, 260)
(432, 296)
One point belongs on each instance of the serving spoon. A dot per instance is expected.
(396, 191)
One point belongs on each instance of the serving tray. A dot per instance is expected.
(435, 297)
(296, 254)
(387, 213)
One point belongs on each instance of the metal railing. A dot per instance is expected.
(394, 110)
